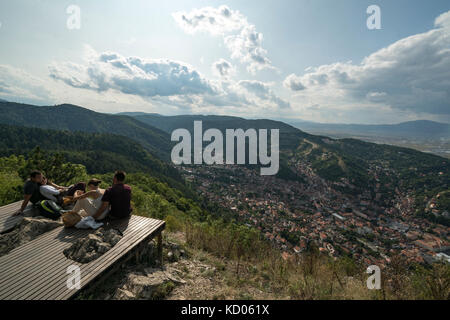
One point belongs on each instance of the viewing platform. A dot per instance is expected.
(39, 270)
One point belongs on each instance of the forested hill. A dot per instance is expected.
(74, 118)
(332, 159)
(290, 137)
(99, 152)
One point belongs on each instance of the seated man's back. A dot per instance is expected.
(119, 198)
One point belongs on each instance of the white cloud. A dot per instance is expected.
(216, 21)
(240, 37)
(293, 82)
(263, 91)
(16, 83)
(132, 75)
(247, 47)
(412, 74)
(376, 96)
(223, 68)
(443, 20)
(165, 82)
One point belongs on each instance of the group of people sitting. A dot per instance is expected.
(98, 203)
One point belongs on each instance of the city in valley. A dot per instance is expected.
(370, 227)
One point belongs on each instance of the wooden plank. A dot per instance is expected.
(7, 220)
(61, 234)
(92, 269)
(37, 269)
(65, 236)
(51, 276)
(58, 257)
(43, 267)
(21, 262)
(98, 267)
(47, 283)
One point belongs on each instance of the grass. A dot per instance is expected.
(244, 260)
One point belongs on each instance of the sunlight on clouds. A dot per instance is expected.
(412, 74)
(165, 82)
(240, 37)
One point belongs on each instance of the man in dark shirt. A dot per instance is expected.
(31, 191)
(117, 198)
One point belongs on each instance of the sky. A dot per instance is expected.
(314, 60)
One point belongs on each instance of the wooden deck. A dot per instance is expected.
(39, 269)
(7, 220)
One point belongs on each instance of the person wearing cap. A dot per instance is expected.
(90, 201)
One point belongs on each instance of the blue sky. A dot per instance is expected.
(307, 59)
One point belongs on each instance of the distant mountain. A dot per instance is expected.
(136, 114)
(74, 118)
(420, 130)
(290, 136)
(332, 159)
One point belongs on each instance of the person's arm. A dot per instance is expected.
(100, 210)
(54, 185)
(86, 195)
(26, 199)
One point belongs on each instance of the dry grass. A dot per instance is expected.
(250, 262)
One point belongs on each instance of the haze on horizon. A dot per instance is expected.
(296, 59)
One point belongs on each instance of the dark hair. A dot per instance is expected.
(120, 176)
(35, 173)
(94, 182)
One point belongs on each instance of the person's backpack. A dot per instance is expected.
(71, 218)
(49, 209)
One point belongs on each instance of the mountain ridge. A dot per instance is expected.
(75, 118)
(418, 129)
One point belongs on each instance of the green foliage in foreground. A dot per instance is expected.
(151, 196)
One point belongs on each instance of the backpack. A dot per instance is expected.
(70, 219)
(49, 209)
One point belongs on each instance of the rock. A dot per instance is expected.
(28, 229)
(122, 294)
(171, 245)
(145, 287)
(174, 251)
(175, 279)
(93, 246)
(154, 284)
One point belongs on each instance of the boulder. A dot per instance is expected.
(28, 229)
(151, 285)
(93, 246)
(174, 252)
(122, 294)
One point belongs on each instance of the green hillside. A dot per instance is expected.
(74, 118)
(98, 152)
(332, 159)
(360, 164)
